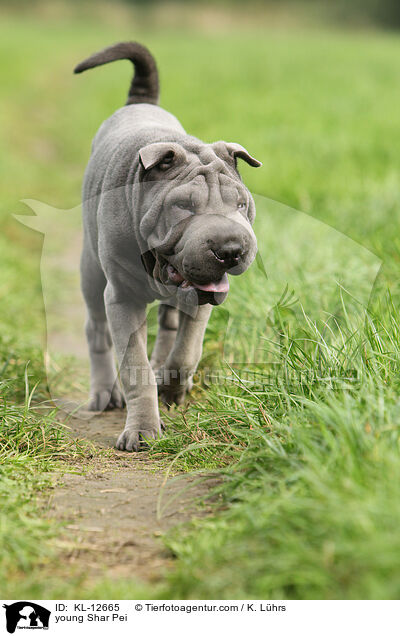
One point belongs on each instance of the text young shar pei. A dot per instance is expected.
(165, 216)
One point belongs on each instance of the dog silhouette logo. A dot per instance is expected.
(26, 615)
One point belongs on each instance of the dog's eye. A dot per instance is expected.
(241, 205)
(185, 205)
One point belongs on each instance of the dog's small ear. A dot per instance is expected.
(162, 154)
(235, 151)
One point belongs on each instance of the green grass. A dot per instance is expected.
(32, 444)
(304, 429)
(311, 487)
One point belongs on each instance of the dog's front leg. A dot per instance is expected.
(127, 322)
(175, 378)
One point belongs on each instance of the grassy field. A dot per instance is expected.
(304, 421)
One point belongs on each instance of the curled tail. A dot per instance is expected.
(144, 88)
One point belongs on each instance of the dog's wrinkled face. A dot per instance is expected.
(198, 218)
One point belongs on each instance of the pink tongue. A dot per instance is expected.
(216, 286)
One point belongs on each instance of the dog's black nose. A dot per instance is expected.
(229, 254)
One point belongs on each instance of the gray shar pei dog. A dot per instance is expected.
(165, 217)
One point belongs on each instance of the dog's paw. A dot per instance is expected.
(170, 394)
(132, 439)
(106, 400)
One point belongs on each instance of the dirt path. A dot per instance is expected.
(117, 509)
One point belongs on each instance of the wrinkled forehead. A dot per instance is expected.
(208, 187)
(202, 178)
(203, 160)
(204, 173)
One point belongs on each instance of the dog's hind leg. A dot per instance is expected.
(105, 392)
(168, 321)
